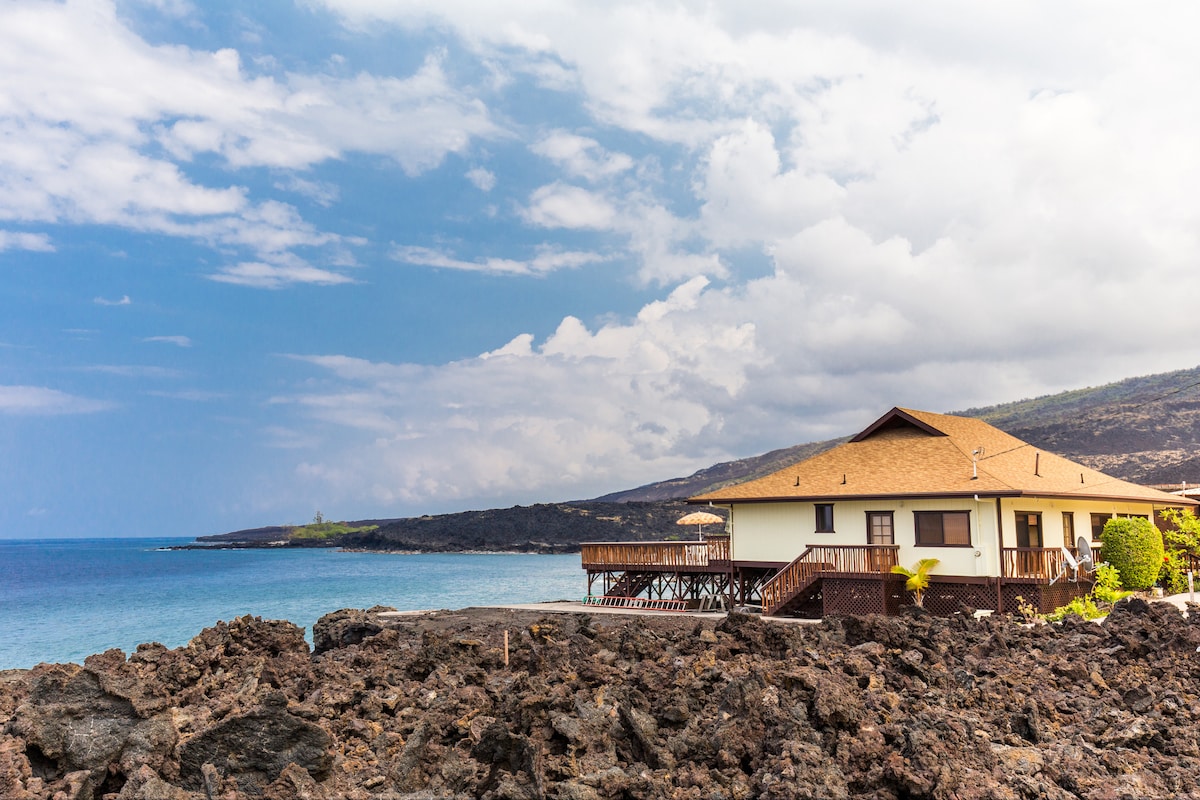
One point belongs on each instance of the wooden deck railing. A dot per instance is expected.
(790, 580)
(661, 555)
(1038, 564)
(862, 559)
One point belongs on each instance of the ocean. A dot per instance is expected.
(64, 599)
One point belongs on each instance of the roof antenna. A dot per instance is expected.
(797, 480)
(976, 454)
(843, 479)
(1037, 462)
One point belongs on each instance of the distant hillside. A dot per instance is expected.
(542, 528)
(1145, 430)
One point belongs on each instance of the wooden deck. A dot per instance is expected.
(712, 553)
(1039, 565)
(823, 579)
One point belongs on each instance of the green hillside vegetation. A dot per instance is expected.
(327, 530)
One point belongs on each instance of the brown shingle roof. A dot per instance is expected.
(918, 453)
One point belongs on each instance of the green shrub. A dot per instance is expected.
(1107, 589)
(1135, 548)
(1080, 607)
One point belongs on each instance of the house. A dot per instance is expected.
(1004, 519)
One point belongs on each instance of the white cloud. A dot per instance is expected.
(703, 375)
(545, 261)
(42, 401)
(102, 301)
(100, 127)
(582, 157)
(935, 205)
(583, 410)
(173, 8)
(37, 242)
(261, 275)
(178, 341)
(559, 205)
(483, 180)
(323, 193)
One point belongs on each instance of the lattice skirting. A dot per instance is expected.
(849, 596)
(944, 599)
(853, 596)
(1043, 598)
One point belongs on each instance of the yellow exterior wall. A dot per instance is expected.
(779, 532)
(1052, 513)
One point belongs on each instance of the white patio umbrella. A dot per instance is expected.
(699, 519)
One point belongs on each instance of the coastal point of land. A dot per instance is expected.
(508, 703)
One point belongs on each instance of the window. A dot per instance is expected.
(1098, 521)
(1069, 528)
(879, 528)
(1029, 529)
(824, 517)
(943, 528)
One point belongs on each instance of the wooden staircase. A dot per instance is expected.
(795, 584)
(630, 584)
(800, 581)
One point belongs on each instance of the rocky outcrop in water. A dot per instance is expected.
(600, 707)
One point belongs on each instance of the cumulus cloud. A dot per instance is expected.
(927, 206)
(43, 401)
(581, 156)
(559, 205)
(584, 408)
(38, 242)
(846, 208)
(483, 179)
(101, 127)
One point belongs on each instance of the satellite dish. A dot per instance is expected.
(1071, 563)
(1087, 561)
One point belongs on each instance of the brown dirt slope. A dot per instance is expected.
(1145, 430)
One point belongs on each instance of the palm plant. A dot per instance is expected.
(918, 577)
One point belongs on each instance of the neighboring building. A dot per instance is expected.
(1002, 516)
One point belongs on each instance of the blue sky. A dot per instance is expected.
(395, 258)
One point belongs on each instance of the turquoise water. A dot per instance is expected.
(64, 599)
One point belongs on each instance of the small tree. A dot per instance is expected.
(918, 577)
(1135, 548)
(1182, 542)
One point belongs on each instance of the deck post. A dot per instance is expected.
(729, 589)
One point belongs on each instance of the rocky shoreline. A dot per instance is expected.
(519, 704)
